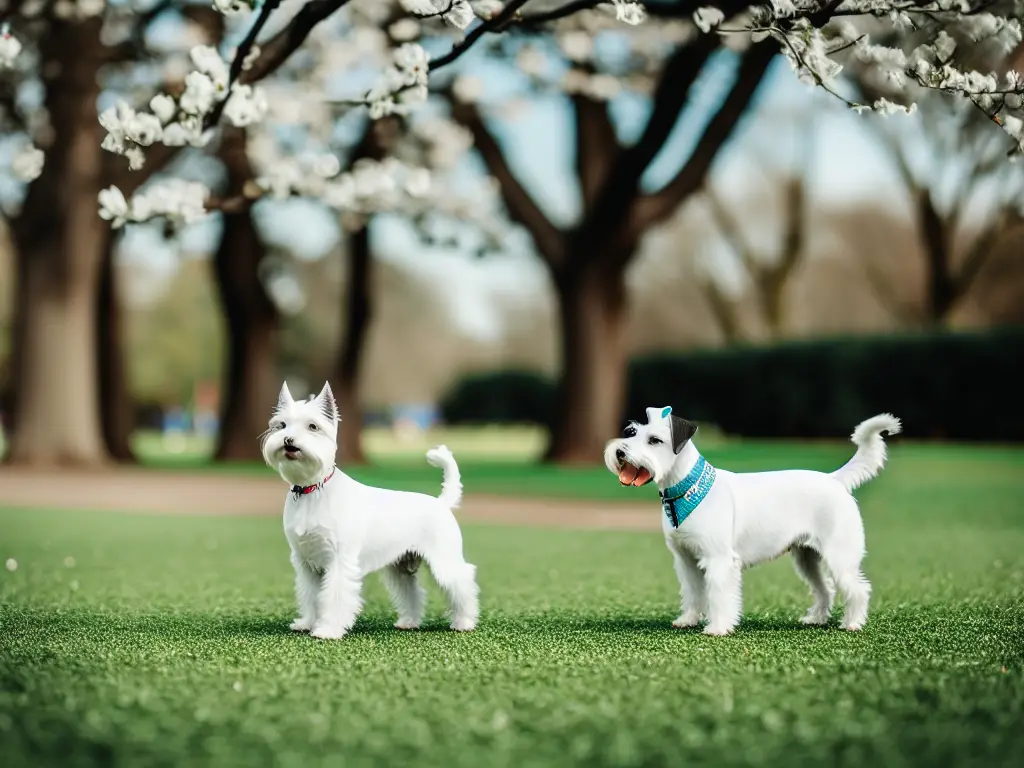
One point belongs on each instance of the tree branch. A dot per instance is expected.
(723, 309)
(277, 50)
(494, 24)
(596, 147)
(621, 186)
(542, 17)
(158, 157)
(655, 207)
(520, 204)
(731, 231)
(981, 249)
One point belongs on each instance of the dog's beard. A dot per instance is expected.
(305, 462)
(630, 470)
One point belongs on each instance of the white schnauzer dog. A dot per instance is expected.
(340, 530)
(717, 523)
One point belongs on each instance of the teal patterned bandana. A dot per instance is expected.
(681, 499)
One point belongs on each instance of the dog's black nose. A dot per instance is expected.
(289, 441)
(620, 455)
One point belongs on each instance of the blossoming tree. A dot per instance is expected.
(587, 262)
(55, 61)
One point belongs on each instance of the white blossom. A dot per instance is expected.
(707, 17)
(404, 30)
(90, 8)
(418, 7)
(136, 158)
(461, 14)
(885, 107)
(10, 46)
(113, 207)
(783, 8)
(183, 202)
(143, 128)
(200, 94)
(27, 165)
(209, 62)
(577, 45)
(163, 107)
(246, 105)
(458, 13)
(487, 9)
(629, 12)
(468, 88)
(230, 7)
(1014, 127)
(11, 564)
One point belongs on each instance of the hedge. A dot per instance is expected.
(960, 386)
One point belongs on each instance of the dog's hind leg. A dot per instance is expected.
(691, 589)
(458, 580)
(809, 565)
(724, 584)
(843, 553)
(407, 595)
(856, 592)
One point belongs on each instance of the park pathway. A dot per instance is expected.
(146, 491)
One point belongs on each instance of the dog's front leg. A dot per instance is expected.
(307, 584)
(339, 600)
(723, 580)
(691, 590)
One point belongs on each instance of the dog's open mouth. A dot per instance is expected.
(633, 475)
(291, 452)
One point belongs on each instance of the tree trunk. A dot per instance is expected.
(357, 316)
(116, 410)
(59, 240)
(250, 379)
(941, 293)
(592, 388)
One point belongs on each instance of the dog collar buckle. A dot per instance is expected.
(684, 497)
(300, 490)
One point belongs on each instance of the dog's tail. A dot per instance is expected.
(451, 485)
(869, 459)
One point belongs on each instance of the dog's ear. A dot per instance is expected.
(682, 431)
(284, 399)
(328, 405)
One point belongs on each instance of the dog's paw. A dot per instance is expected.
(301, 625)
(687, 620)
(853, 627)
(718, 630)
(815, 619)
(328, 632)
(407, 624)
(463, 625)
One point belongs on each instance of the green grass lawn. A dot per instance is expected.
(164, 642)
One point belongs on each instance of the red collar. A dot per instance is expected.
(299, 490)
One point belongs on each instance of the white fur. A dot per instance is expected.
(345, 530)
(750, 518)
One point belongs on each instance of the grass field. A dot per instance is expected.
(135, 640)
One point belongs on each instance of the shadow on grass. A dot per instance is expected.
(191, 627)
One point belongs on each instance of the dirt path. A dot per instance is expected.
(147, 491)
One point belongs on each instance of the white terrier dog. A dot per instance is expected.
(717, 523)
(340, 530)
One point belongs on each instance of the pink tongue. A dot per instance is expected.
(627, 474)
(642, 476)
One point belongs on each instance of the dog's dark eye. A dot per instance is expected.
(629, 431)
(654, 441)
(312, 427)
(279, 425)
